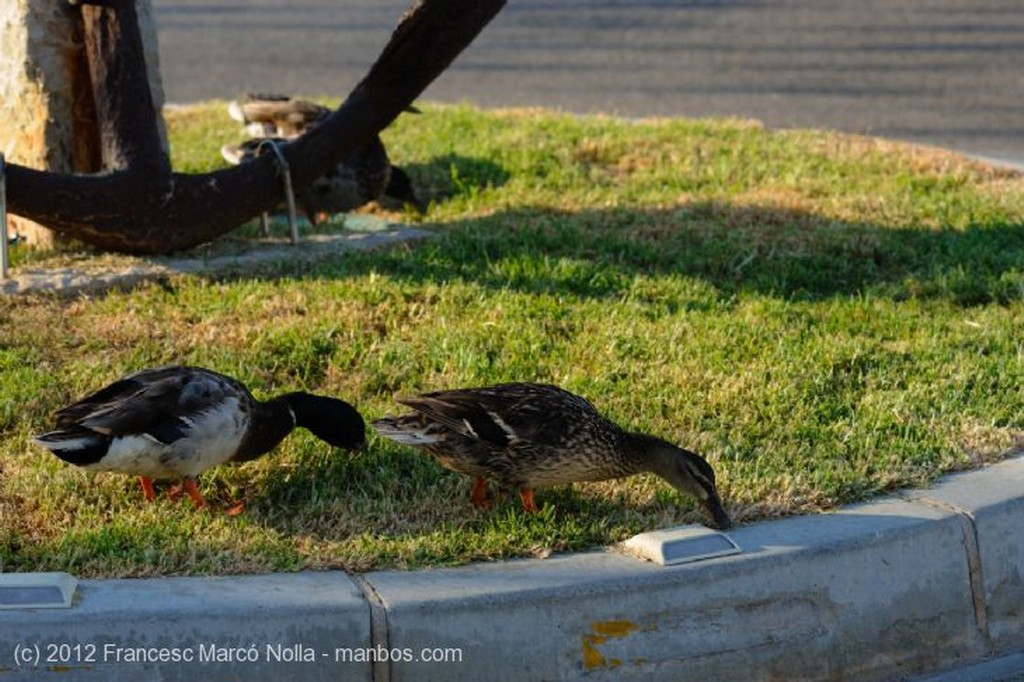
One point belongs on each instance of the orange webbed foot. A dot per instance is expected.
(526, 497)
(147, 488)
(478, 498)
(193, 492)
(189, 487)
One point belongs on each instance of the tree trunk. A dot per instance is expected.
(129, 137)
(141, 207)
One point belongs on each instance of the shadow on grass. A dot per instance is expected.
(397, 494)
(786, 253)
(450, 175)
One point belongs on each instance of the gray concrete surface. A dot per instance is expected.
(98, 275)
(807, 599)
(178, 628)
(1003, 669)
(942, 72)
(993, 507)
(893, 589)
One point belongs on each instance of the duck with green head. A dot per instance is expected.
(176, 422)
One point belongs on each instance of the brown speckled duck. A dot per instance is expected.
(176, 422)
(272, 115)
(367, 176)
(527, 435)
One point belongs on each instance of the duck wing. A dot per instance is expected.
(277, 114)
(160, 402)
(507, 415)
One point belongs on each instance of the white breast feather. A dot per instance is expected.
(214, 436)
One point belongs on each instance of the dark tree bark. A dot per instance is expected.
(128, 135)
(86, 156)
(139, 206)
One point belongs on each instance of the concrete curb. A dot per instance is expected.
(889, 589)
(1004, 669)
(93, 279)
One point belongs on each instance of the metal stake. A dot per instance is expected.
(289, 195)
(3, 218)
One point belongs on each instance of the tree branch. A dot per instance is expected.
(110, 212)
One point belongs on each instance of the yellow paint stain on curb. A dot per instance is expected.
(614, 628)
(600, 632)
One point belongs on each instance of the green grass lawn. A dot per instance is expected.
(824, 317)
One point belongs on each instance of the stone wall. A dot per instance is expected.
(45, 105)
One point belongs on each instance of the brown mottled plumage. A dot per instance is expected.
(526, 434)
(272, 115)
(367, 176)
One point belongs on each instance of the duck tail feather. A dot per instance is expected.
(75, 446)
(406, 431)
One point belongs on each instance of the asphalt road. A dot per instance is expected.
(943, 72)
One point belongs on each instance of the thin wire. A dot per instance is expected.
(289, 195)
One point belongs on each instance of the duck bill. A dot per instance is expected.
(720, 520)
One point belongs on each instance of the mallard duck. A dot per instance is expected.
(272, 115)
(176, 422)
(275, 115)
(368, 177)
(526, 435)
